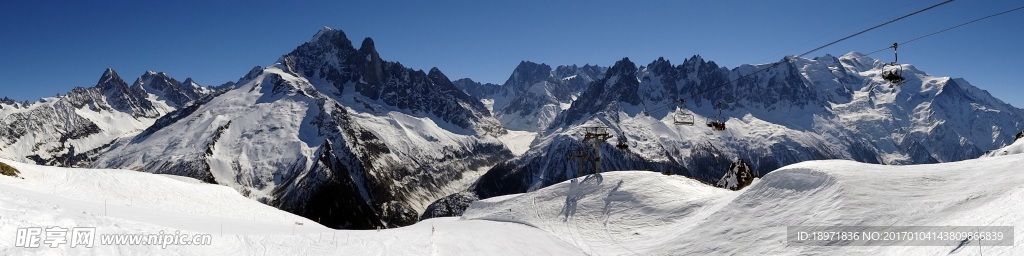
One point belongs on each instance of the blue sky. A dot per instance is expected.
(49, 47)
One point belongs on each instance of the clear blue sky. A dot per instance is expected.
(48, 47)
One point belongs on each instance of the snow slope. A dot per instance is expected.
(647, 213)
(144, 203)
(518, 141)
(1016, 148)
(615, 213)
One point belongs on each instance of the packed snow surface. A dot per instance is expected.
(615, 213)
(646, 213)
(1016, 148)
(129, 202)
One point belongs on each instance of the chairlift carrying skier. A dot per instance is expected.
(893, 71)
(717, 123)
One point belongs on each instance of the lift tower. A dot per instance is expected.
(593, 137)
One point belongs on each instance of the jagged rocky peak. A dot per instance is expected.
(527, 73)
(331, 37)
(124, 98)
(324, 32)
(697, 64)
(695, 59)
(620, 83)
(110, 79)
(118, 93)
(189, 82)
(174, 93)
(660, 66)
(476, 89)
(367, 46)
(953, 91)
(156, 80)
(436, 73)
(537, 69)
(566, 70)
(587, 72)
(330, 56)
(373, 69)
(368, 49)
(465, 82)
(622, 68)
(252, 74)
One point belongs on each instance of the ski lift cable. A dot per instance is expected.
(850, 26)
(876, 26)
(787, 59)
(948, 29)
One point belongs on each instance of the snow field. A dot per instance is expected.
(518, 141)
(614, 213)
(646, 213)
(129, 202)
(1016, 147)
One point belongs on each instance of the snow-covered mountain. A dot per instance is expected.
(476, 89)
(329, 132)
(795, 110)
(71, 129)
(174, 93)
(534, 94)
(334, 134)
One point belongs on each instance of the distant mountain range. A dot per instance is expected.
(69, 129)
(334, 133)
(796, 110)
(534, 94)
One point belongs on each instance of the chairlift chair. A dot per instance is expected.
(893, 72)
(717, 123)
(681, 117)
(622, 145)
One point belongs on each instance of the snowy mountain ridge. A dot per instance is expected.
(329, 132)
(71, 129)
(333, 133)
(534, 94)
(795, 110)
